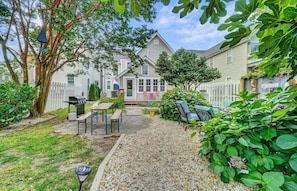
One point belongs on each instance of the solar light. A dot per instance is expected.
(82, 173)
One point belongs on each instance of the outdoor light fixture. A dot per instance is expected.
(82, 173)
(42, 39)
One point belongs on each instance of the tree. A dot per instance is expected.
(275, 22)
(71, 28)
(185, 68)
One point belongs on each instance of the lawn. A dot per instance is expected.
(37, 158)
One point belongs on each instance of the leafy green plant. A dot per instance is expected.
(94, 92)
(15, 102)
(262, 134)
(118, 102)
(168, 108)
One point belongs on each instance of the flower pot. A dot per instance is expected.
(152, 113)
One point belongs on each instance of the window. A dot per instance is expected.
(140, 85)
(97, 83)
(155, 85)
(88, 84)
(108, 85)
(70, 79)
(96, 65)
(229, 57)
(211, 64)
(253, 47)
(144, 69)
(162, 85)
(148, 85)
(115, 72)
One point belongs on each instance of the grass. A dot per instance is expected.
(37, 158)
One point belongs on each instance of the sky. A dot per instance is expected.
(187, 32)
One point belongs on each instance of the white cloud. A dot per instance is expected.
(187, 32)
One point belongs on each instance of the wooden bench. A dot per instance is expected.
(83, 119)
(116, 118)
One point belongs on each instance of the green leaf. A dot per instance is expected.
(118, 7)
(252, 179)
(135, 8)
(244, 140)
(286, 141)
(256, 160)
(293, 162)
(232, 151)
(273, 180)
(218, 169)
(219, 138)
(290, 186)
(121, 2)
(290, 13)
(144, 2)
(277, 159)
(165, 2)
(268, 163)
(280, 113)
(268, 133)
(229, 172)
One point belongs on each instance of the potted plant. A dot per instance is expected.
(152, 111)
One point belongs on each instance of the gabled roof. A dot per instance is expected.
(157, 34)
(145, 58)
(216, 49)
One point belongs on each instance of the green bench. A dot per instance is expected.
(116, 118)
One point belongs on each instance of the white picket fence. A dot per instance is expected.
(220, 94)
(58, 94)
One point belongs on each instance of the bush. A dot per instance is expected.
(256, 143)
(118, 102)
(94, 92)
(15, 102)
(168, 108)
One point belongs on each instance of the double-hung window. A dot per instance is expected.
(140, 85)
(144, 69)
(70, 79)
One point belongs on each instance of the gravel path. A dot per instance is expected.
(161, 157)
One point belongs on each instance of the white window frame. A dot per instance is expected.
(162, 86)
(253, 47)
(140, 85)
(145, 69)
(70, 79)
(108, 85)
(148, 85)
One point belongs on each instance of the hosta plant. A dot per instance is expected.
(261, 136)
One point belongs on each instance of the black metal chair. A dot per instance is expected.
(185, 114)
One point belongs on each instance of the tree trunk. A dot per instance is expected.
(40, 102)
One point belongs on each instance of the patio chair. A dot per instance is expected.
(204, 112)
(185, 114)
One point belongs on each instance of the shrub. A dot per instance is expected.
(15, 102)
(261, 135)
(94, 92)
(168, 108)
(118, 102)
